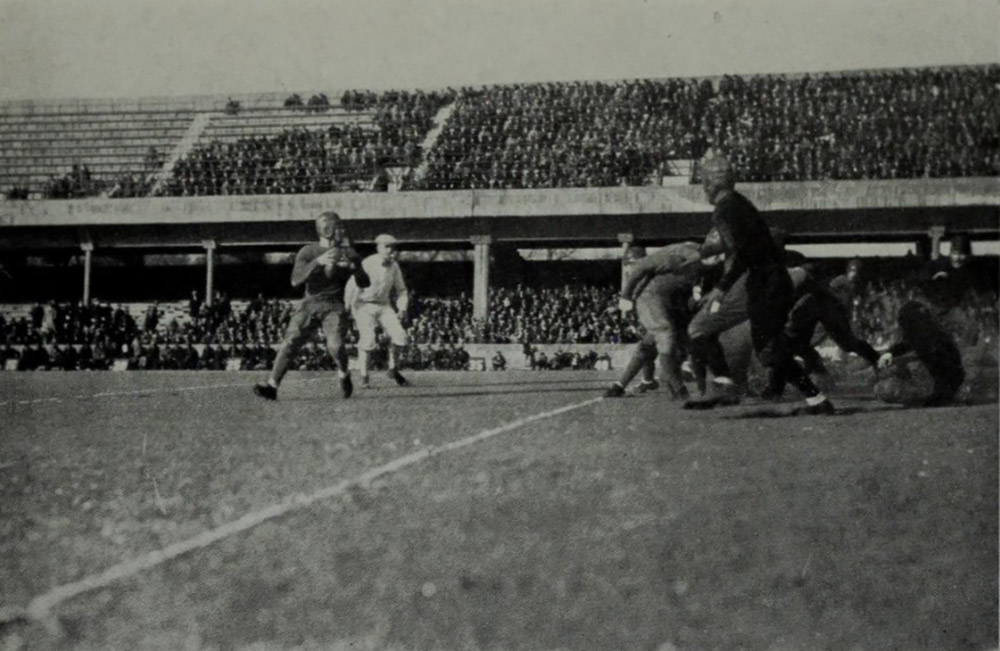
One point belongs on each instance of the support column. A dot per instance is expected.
(209, 270)
(88, 261)
(625, 239)
(481, 276)
(936, 233)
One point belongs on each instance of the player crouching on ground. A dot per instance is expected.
(372, 306)
(922, 335)
(324, 268)
(659, 285)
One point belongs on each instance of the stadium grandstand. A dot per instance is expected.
(135, 186)
(873, 124)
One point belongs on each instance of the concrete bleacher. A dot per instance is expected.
(247, 124)
(37, 146)
(39, 141)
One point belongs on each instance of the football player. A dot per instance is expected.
(923, 335)
(750, 250)
(323, 268)
(383, 303)
(659, 285)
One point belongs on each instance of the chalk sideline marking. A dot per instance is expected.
(39, 607)
(137, 392)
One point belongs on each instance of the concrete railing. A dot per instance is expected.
(464, 204)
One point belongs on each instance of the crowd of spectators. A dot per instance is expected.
(885, 124)
(566, 134)
(879, 124)
(341, 157)
(79, 336)
(93, 336)
(571, 314)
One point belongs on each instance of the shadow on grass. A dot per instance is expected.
(534, 381)
(479, 394)
(397, 393)
(782, 411)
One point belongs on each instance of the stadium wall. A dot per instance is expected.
(819, 210)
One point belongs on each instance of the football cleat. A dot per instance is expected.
(615, 391)
(346, 386)
(720, 395)
(680, 393)
(265, 391)
(824, 408)
(366, 382)
(397, 377)
(644, 386)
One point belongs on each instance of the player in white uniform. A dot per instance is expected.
(382, 303)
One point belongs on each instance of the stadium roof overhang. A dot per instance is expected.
(839, 211)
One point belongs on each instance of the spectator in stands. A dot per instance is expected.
(301, 160)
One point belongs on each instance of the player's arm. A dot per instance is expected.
(735, 265)
(712, 245)
(351, 293)
(353, 261)
(637, 277)
(402, 292)
(304, 267)
(898, 350)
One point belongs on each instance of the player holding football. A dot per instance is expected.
(323, 268)
(749, 249)
(372, 306)
(659, 285)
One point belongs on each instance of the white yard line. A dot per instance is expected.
(136, 392)
(40, 607)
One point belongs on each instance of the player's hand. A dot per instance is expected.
(713, 299)
(328, 258)
(885, 361)
(625, 305)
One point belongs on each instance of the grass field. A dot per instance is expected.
(513, 510)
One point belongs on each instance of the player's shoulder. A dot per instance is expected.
(371, 262)
(310, 249)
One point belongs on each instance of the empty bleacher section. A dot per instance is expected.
(56, 152)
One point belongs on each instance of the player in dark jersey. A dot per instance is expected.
(847, 286)
(323, 268)
(923, 335)
(817, 304)
(749, 249)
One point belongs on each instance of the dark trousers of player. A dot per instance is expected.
(769, 300)
(821, 308)
(311, 313)
(945, 366)
(935, 347)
